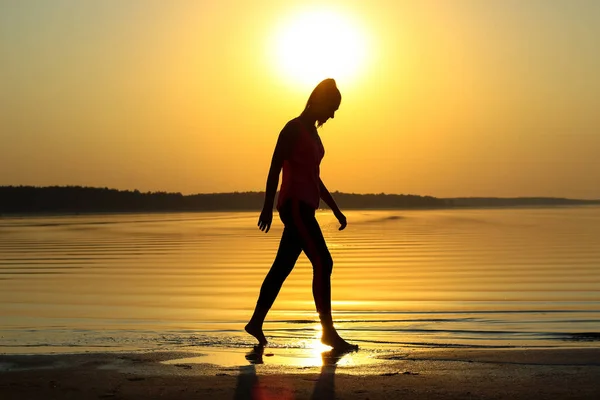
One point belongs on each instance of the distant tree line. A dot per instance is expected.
(385, 201)
(74, 199)
(516, 201)
(32, 199)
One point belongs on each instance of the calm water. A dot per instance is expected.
(443, 278)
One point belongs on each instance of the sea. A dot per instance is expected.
(402, 279)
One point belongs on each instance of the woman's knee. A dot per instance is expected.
(327, 264)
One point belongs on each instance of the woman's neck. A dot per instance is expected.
(308, 118)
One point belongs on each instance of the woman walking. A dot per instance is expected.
(299, 152)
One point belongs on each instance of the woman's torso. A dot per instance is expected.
(301, 168)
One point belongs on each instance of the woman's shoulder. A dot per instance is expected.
(291, 128)
(293, 123)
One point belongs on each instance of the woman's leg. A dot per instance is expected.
(287, 255)
(315, 248)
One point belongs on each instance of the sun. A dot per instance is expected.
(317, 44)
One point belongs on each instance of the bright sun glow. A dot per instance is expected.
(319, 44)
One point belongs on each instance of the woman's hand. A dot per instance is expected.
(342, 219)
(265, 219)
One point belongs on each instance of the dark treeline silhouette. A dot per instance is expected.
(385, 201)
(74, 199)
(516, 201)
(28, 199)
(31, 199)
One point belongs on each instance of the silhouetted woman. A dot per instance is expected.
(299, 152)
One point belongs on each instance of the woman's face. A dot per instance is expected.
(327, 109)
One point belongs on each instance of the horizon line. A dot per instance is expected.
(332, 192)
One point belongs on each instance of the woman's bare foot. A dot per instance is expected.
(257, 332)
(331, 338)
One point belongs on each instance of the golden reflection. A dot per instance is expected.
(299, 353)
(304, 353)
(317, 354)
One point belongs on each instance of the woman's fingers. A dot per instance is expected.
(343, 223)
(264, 225)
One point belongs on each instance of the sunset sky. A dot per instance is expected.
(441, 98)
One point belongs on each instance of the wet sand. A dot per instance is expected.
(416, 374)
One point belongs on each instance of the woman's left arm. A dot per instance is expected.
(328, 199)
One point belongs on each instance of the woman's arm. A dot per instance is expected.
(328, 199)
(282, 151)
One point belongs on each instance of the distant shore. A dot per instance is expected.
(25, 200)
(415, 374)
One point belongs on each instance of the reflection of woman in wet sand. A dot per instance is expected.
(299, 152)
(248, 382)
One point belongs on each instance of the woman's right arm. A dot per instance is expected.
(283, 149)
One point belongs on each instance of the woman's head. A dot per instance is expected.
(324, 101)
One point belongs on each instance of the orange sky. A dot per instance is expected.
(463, 98)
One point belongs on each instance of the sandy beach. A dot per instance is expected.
(416, 374)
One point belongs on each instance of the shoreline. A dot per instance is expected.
(257, 210)
(418, 373)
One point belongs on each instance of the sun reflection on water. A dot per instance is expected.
(305, 353)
